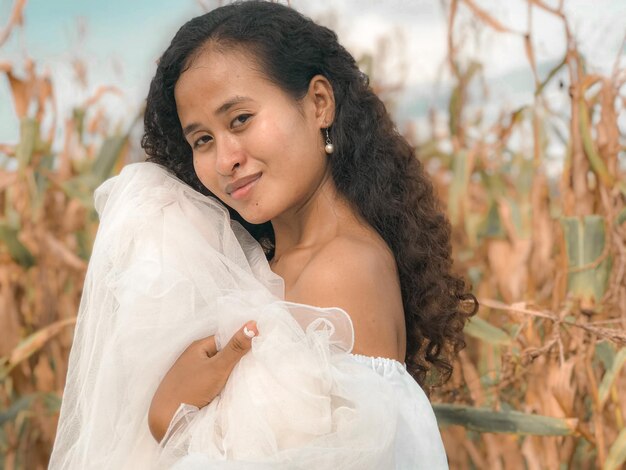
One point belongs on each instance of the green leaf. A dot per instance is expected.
(584, 243)
(520, 217)
(512, 422)
(29, 134)
(621, 217)
(457, 98)
(52, 402)
(107, 157)
(610, 376)
(18, 252)
(16, 407)
(457, 192)
(78, 114)
(617, 452)
(605, 351)
(597, 164)
(82, 187)
(485, 331)
(550, 76)
(491, 226)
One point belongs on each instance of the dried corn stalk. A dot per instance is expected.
(542, 384)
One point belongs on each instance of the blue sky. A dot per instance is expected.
(124, 38)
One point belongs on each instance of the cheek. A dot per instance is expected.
(206, 174)
(283, 132)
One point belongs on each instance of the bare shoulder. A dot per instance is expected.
(359, 276)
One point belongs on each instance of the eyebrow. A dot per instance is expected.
(230, 103)
(221, 110)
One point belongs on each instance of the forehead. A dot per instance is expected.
(214, 73)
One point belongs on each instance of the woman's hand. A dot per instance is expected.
(197, 377)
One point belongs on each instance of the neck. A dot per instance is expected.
(316, 221)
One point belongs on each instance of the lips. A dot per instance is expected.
(241, 182)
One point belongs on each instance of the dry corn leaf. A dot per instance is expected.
(57, 249)
(99, 93)
(75, 217)
(7, 149)
(562, 388)
(80, 71)
(609, 377)
(541, 258)
(15, 19)
(33, 343)
(541, 4)
(511, 452)
(472, 379)
(530, 54)
(44, 377)
(494, 451)
(37, 90)
(9, 314)
(7, 179)
(508, 265)
(21, 90)
(458, 454)
(487, 18)
(550, 452)
(617, 453)
(607, 129)
(98, 121)
(531, 455)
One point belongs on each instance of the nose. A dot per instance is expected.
(230, 155)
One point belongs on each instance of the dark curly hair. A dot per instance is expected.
(373, 166)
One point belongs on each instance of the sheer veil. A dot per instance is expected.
(169, 267)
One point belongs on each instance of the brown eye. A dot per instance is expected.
(240, 120)
(205, 139)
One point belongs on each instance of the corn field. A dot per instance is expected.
(541, 384)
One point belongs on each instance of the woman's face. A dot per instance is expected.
(254, 146)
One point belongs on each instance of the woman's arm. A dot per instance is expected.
(197, 377)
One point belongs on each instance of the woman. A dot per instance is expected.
(265, 110)
(259, 107)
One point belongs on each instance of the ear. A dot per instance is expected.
(322, 99)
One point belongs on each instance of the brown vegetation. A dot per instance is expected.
(547, 259)
(542, 382)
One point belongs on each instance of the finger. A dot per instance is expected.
(208, 345)
(239, 344)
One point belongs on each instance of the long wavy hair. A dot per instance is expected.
(373, 166)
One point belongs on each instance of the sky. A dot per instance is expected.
(122, 40)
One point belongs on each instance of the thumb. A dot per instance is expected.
(239, 344)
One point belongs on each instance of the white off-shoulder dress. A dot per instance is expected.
(168, 267)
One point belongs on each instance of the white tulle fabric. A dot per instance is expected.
(169, 267)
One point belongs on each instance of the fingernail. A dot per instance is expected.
(248, 333)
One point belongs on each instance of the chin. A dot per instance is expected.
(252, 217)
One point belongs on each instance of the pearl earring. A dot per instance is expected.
(329, 147)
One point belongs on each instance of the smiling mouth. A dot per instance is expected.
(242, 191)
